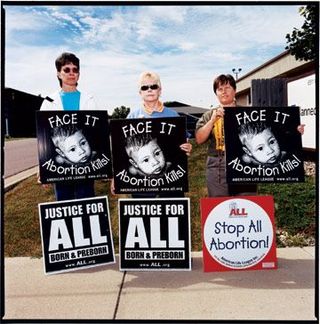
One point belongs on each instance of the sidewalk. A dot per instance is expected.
(11, 181)
(287, 293)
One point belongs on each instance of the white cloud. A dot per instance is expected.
(186, 45)
(22, 21)
(172, 14)
(59, 16)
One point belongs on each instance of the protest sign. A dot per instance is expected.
(238, 233)
(76, 234)
(263, 145)
(147, 156)
(154, 234)
(73, 145)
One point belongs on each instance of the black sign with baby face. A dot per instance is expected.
(147, 156)
(76, 234)
(154, 234)
(73, 145)
(263, 144)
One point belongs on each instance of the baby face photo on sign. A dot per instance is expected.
(147, 155)
(259, 144)
(73, 145)
(264, 146)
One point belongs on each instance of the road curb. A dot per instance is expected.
(12, 181)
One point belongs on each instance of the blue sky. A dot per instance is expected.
(186, 45)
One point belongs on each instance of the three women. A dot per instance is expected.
(209, 127)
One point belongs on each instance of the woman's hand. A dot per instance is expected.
(38, 178)
(300, 129)
(218, 113)
(187, 147)
(45, 185)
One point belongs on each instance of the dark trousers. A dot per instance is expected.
(74, 190)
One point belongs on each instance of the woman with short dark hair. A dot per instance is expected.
(210, 128)
(68, 97)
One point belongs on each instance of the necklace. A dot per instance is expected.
(158, 107)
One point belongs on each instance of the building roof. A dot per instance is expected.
(183, 108)
(22, 93)
(283, 65)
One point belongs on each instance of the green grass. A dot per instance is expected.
(22, 228)
(294, 206)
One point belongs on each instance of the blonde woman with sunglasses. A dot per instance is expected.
(152, 107)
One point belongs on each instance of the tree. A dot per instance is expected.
(302, 42)
(121, 112)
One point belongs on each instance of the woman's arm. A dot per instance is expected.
(203, 133)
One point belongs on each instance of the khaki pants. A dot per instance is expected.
(217, 184)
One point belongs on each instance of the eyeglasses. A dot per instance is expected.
(152, 87)
(68, 70)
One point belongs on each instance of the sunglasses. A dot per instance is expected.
(68, 70)
(152, 87)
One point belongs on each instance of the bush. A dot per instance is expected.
(295, 205)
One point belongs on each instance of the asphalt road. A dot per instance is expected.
(20, 155)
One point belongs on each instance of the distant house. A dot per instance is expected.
(284, 67)
(19, 113)
(191, 113)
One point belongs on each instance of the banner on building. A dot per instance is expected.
(147, 155)
(154, 234)
(302, 93)
(76, 234)
(263, 145)
(73, 145)
(238, 233)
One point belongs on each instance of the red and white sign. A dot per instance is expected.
(238, 233)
